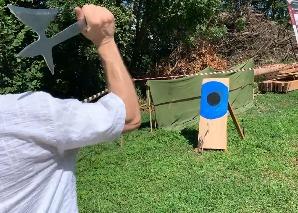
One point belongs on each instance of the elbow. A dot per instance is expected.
(136, 121)
(133, 123)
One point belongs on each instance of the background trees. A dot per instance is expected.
(274, 9)
(147, 31)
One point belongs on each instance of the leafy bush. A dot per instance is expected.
(213, 33)
(16, 75)
(240, 24)
(77, 68)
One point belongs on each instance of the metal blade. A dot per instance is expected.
(37, 19)
(49, 60)
(31, 50)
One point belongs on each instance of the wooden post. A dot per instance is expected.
(235, 121)
(149, 107)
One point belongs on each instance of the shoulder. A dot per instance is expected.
(34, 96)
(25, 96)
(27, 102)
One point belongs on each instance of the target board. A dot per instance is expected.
(213, 114)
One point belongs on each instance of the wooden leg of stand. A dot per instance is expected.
(238, 127)
(150, 109)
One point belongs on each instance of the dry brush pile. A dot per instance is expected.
(265, 41)
(189, 60)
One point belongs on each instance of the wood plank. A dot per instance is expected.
(266, 86)
(279, 85)
(213, 132)
(293, 85)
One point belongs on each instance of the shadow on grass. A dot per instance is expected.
(191, 135)
(145, 125)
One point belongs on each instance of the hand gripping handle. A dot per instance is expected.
(69, 32)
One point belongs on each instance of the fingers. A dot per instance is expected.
(79, 13)
(96, 15)
(90, 13)
(100, 23)
(80, 16)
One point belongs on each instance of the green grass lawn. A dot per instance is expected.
(159, 172)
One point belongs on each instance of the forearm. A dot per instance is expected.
(101, 30)
(120, 82)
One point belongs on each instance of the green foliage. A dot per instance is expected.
(213, 33)
(78, 72)
(274, 9)
(16, 75)
(162, 25)
(159, 172)
(146, 32)
(240, 24)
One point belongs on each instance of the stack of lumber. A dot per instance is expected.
(279, 78)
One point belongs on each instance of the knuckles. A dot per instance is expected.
(97, 15)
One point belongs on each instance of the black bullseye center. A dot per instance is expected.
(213, 99)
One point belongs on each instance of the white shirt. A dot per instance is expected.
(39, 138)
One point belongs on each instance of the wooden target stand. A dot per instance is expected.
(214, 115)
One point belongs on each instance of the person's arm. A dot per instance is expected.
(120, 83)
(100, 30)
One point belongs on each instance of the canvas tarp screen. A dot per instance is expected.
(176, 102)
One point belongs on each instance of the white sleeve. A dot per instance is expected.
(79, 124)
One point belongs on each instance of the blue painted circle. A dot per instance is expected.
(218, 110)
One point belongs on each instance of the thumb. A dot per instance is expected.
(79, 13)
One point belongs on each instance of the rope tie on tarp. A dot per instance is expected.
(104, 92)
